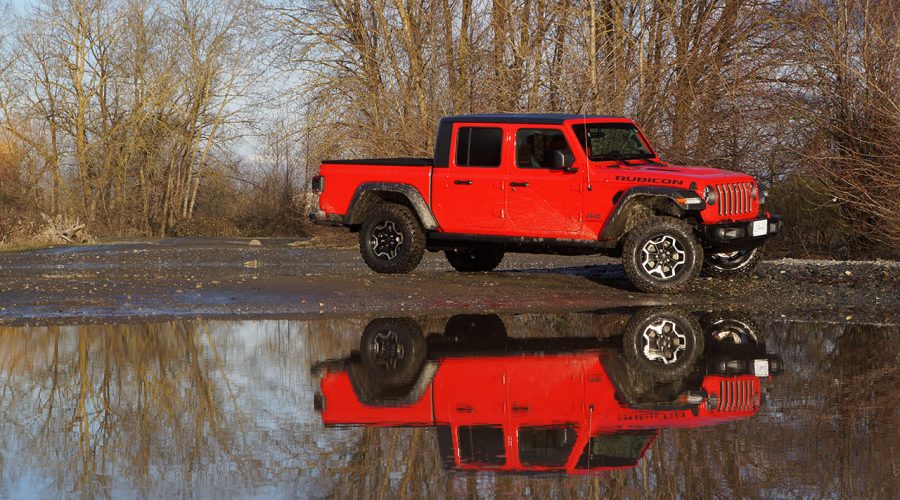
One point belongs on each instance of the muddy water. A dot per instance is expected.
(522, 404)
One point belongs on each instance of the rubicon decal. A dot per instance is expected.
(652, 180)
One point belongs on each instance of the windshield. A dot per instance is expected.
(611, 141)
(615, 450)
(546, 446)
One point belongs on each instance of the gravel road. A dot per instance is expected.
(157, 279)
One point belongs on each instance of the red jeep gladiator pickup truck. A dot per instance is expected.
(570, 405)
(547, 183)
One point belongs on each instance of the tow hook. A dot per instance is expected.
(691, 398)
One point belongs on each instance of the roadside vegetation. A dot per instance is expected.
(198, 117)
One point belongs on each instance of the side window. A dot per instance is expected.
(482, 444)
(479, 147)
(535, 147)
(445, 446)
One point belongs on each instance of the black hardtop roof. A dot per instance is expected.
(540, 118)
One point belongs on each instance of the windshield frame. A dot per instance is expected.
(575, 126)
(587, 460)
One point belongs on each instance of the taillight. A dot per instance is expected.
(318, 184)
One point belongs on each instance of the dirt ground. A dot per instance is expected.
(157, 279)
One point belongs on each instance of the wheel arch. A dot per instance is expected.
(369, 396)
(369, 195)
(635, 203)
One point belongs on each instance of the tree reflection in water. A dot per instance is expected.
(220, 408)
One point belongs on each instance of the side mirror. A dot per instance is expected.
(563, 161)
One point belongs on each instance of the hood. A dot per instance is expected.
(701, 175)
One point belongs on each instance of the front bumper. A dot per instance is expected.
(319, 217)
(731, 236)
(759, 366)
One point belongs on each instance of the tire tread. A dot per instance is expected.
(483, 261)
(408, 259)
(631, 261)
(715, 271)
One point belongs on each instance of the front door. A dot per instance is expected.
(546, 408)
(468, 195)
(543, 201)
(470, 395)
(546, 388)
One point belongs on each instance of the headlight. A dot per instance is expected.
(754, 192)
(709, 194)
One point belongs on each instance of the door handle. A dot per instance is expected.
(516, 408)
(465, 182)
(519, 184)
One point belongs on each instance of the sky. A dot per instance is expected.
(19, 5)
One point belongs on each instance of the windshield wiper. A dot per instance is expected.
(618, 160)
(646, 161)
(623, 160)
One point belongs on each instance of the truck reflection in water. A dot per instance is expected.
(573, 405)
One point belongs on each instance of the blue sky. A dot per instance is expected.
(17, 5)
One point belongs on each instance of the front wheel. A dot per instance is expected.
(728, 264)
(391, 239)
(474, 261)
(663, 343)
(661, 254)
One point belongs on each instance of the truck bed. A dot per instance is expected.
(382, 162)
(343, 178)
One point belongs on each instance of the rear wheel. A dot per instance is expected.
(393, 350)
(733, 335)
(728, 264)
(467, 260)
(391, 239)
(476, 330)
(661, 254)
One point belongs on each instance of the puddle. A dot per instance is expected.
(659, 401)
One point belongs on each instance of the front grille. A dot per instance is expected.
(737, 395)
(734, 198)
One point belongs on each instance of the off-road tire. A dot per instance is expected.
(466, 260)
(476, 329)
(718, 266)
(733, 334)
(392, 351)
(635, 386)
(391, 218)
(638, 341)
(667, 230)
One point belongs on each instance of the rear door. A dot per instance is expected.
(543, 201)
(468, 196)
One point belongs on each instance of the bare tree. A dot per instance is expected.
(130, 113)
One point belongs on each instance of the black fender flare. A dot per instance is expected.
(388, 191)
(616, 223)
(414, 394)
